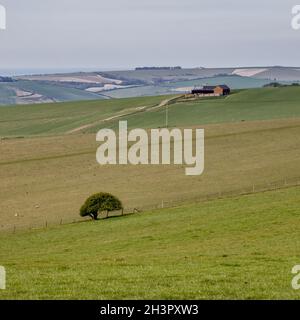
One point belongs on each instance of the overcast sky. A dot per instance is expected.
(100, 34)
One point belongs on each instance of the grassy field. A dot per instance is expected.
(245, 105)
(58, 118)
(46, 178)
(242, 248)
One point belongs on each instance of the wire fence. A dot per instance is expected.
(163, 204)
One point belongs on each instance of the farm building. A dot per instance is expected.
(220, 90)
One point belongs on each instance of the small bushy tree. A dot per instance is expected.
(100, 202)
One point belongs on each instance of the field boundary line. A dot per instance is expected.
(162, 204)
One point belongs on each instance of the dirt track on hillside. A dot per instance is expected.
(162, 104)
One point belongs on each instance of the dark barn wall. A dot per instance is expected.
(201, 91)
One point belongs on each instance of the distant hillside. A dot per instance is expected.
(159, 68)
(28, 92)
(144, 81)
(6, 79)
(152, 76)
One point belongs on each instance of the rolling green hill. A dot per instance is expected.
(57, 118)
(89, 116)
(239, 248)
(244, 105)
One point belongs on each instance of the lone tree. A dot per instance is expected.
(100, 202)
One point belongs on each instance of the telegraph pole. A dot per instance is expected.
(167, 116)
